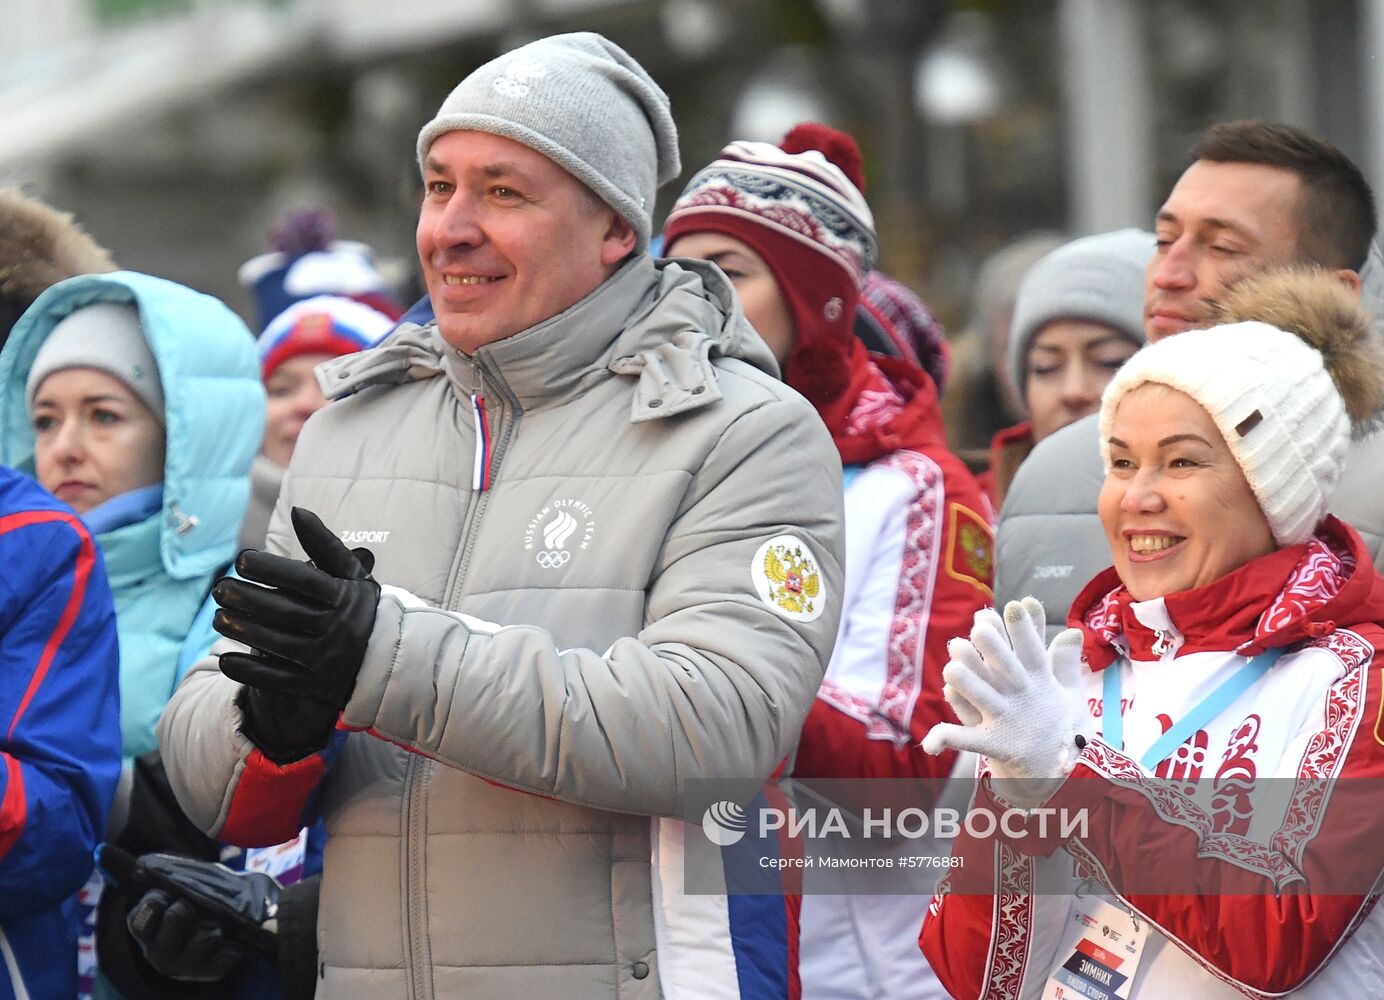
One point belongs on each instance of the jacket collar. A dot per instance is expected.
(892, 407)
(546, 362)
(131, 552)
(1295, 594)
(661, 322)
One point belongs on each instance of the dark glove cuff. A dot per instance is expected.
(286, 728)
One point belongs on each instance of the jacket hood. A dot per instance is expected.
(1296, 594)
(40, 246)
(213, 405)
(1372, 285)
(660, 322)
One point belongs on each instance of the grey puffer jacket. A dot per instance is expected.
(266, 478)
(634, 624)
(1050, 542)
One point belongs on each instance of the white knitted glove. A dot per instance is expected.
(1019, 703)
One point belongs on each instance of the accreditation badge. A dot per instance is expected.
(1100, 953)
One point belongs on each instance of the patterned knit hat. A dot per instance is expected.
(1286, 403)
(805, 215)
(326, 324)
(909, 323)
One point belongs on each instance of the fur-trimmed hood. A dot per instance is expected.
(40, 246)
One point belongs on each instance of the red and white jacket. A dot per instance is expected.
(919, 564)
(1255, 925)
(918, 567)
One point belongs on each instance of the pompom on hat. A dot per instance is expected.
(308, 260)
(325, 324)
(805, 215)
(584, 103)
(1292, 372)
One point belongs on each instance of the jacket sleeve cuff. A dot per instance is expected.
(377, 667)
(396, 686)
(1047, 827)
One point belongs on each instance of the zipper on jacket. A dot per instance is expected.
(417, 952)
(480, 473)
(497, 445)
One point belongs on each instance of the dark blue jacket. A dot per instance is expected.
(59, 732)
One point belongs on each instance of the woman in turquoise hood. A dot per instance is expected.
(168, 529)
(139, 403)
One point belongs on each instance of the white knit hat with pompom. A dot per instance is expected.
(1287, 389)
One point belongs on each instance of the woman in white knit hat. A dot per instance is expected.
(1236, 639)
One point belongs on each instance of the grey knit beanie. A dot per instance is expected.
(106, 336)
(583, 102)
(1097, 278)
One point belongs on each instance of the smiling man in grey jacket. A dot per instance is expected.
(1257, 195)
(608, 548)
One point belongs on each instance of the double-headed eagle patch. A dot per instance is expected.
(787, 578)
(970, 555)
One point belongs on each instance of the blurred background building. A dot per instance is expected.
(176, 130)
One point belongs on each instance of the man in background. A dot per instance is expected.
(1257, 195)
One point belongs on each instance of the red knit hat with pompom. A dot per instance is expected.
(800, 207)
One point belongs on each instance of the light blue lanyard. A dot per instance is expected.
(1112, 722)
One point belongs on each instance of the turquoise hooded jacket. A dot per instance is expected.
(161, 568)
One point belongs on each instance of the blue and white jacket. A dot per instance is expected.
(60, 741)
(161, 560)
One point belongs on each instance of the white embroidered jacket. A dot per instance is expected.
(1258, 898)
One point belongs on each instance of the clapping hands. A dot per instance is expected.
(1020, 704)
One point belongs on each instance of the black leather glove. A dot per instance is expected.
(155, 822)
(309, 623)
(195, 919)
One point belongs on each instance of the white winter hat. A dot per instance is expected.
(1272, 401)
(1286, 403)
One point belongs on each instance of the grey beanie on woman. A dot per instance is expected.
(106, 336)
(1096, 278)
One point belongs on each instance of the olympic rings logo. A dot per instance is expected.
(551, 559)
